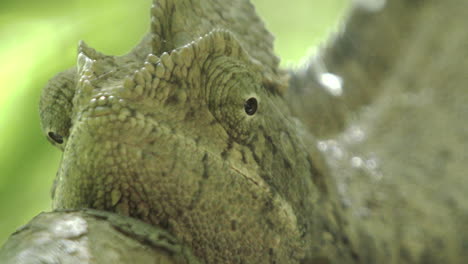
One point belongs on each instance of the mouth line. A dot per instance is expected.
(229, 164)
(244, 175)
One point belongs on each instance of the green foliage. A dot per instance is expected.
(38, 39)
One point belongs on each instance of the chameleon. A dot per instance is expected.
(198, 131)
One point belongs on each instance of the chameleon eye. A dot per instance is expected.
(251, 106)
(55, 137)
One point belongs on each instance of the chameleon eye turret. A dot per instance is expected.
(55, 137)
(251, 106)
(55, 107)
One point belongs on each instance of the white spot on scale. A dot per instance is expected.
(322, 146)
(357, 162)
(332, 82)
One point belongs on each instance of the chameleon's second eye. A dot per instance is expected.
(251, 106)
(56, 137)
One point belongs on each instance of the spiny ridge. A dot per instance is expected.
(175, 24)
(178, 63)
(91, 65)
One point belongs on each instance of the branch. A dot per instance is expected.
(91, 236)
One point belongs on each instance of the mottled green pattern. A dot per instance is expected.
(162, 135)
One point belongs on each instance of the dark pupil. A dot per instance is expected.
(56, 137)
(251, 106)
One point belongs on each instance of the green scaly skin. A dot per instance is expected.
(168, 134)
(162, 135)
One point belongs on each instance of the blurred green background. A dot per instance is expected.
(39, 38)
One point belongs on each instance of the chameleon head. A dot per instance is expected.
(195, 140)
(190, 131)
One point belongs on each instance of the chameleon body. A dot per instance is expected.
(195, 131)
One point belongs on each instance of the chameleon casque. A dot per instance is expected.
(198, 131)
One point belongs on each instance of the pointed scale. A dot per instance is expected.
(177, 23)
